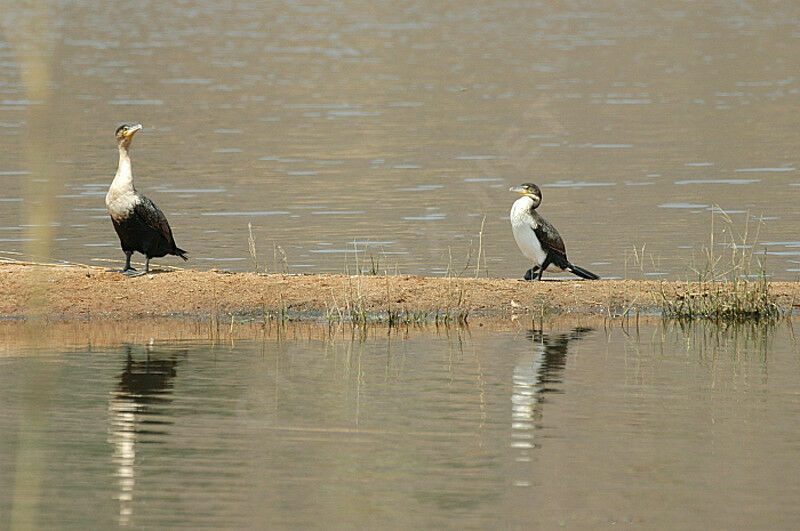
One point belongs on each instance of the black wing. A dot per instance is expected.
(548, 236)
(150, 215)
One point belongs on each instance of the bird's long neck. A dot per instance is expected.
(124, 177)
(523, 204)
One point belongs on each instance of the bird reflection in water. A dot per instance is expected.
(136, 415)
(534, 376)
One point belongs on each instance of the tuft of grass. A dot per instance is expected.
(737, 300)
(729, 286)
(355, 308)
(375, 264)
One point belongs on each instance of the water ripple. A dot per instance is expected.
(779, 169)
(719, 181)
(250, 213)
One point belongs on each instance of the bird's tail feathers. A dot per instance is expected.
(581, 272)
(180, 252)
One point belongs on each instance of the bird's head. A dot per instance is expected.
(529, 190)
(125, 134)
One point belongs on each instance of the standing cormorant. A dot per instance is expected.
(537, 238)
(140, 225)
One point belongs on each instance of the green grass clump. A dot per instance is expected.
(730, 286)
(733, 301)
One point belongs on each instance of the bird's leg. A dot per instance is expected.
(544, 266)
(127, 267)
(143, 272)
(128, 262)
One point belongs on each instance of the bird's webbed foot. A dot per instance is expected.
(123, 270)
(127, 266)
(135, 273)
(530, 274)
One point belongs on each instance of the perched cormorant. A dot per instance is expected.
(140, 225)
(537, 238)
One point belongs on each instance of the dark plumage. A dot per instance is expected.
(537, 238)
(139, 223)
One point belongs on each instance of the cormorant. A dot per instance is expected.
(140, 225)
(537, 238)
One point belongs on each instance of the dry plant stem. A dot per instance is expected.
(283, 261)
(251, 246)
(480, 248)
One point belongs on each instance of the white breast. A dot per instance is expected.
(522, 224)
(120, 203)
(122, 197)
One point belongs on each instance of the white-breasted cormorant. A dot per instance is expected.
(537, 238)
(140, 225)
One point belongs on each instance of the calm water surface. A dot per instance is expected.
(571, 425)
(400, 125)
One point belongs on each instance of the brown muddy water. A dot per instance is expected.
(394, 128)
(571, 425)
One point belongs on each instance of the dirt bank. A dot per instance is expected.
(90, 292)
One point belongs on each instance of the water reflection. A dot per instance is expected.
(536, 374)
(292, 425)
(138, 413)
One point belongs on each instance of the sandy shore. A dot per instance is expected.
(90, 292)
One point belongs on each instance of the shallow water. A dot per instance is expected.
(404, 123)
(574, 424)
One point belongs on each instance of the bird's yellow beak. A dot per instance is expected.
(518, 189)
(133, 130)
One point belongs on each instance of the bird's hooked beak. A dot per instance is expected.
(527, 191)
(133, 130)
